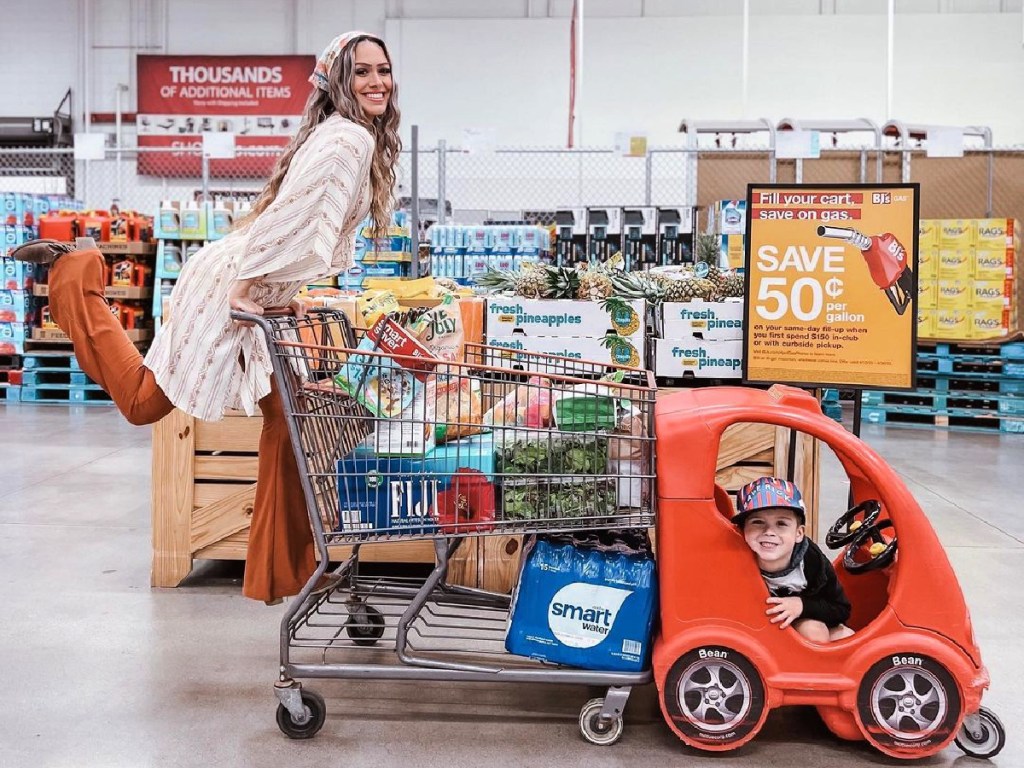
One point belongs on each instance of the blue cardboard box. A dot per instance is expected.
(17, 306)
(385, 493)
(584, 607)
(12, 338)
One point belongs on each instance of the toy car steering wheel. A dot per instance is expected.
(881, 552)
(846, 527)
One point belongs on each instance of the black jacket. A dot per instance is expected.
(823, 597)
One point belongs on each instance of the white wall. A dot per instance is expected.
(511, 74)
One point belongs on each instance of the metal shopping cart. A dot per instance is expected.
(398, 446)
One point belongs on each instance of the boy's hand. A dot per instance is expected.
(785, 610)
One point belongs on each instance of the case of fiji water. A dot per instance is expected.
(402, 493)
(588, 605)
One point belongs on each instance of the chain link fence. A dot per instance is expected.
(530, 183)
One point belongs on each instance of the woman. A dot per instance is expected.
(339, 166)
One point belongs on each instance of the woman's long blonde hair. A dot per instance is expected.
(383, 128)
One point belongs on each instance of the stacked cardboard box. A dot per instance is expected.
(582, 330)
(700, 339)
(968, 284)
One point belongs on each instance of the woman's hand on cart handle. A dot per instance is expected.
(239, 301)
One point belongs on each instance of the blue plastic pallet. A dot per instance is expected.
(52, 361)
(1013, 350)
(940, 401)
(45, 377)
(953, 419)
(65, 394)
(10, 393)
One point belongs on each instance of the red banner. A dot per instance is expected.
(259, 99)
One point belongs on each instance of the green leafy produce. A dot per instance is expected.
(543, 500)
(536, 454)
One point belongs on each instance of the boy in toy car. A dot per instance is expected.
(803, 589)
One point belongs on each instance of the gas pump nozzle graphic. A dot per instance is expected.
(887, 262)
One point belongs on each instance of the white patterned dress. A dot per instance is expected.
(204, 361)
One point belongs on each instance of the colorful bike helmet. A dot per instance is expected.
(768, 493)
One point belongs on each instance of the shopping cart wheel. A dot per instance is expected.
(982, 736)
(365, 625)
(317, 713)
(602, 731)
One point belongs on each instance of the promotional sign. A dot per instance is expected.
(831, 289)
(259, 99)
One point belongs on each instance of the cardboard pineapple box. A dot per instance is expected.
(709, 320)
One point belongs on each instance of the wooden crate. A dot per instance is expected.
(204, 483)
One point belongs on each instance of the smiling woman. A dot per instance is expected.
(337, 168)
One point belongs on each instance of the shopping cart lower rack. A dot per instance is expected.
(393, 444)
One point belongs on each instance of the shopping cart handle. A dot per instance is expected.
(267, 313)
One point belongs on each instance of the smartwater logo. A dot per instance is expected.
(582, 615)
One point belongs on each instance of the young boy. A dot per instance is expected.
(803, 587)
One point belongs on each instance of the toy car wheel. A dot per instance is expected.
(714, 697)
(365, 625)
(908, 706)
(983, 737)
(316, 711)
(602, 731)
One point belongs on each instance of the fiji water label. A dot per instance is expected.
(386, 494)
(584, 608)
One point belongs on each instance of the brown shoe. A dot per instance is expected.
(41, 251)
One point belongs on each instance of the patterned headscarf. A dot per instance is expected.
(322, 70)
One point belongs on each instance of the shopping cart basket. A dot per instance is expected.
(400, 446)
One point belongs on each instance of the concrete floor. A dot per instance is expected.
(103, 671)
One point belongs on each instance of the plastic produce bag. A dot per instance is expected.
(458, 409)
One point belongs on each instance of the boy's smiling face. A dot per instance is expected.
(771, 534)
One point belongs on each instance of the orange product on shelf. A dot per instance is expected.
(45, 321)
(95, 224)
(130, 317)
(59, 225)
(123, 273)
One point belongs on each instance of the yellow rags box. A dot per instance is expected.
(952, 324)
(993, 264)
(991, 322)
(926, 323)
(995, 234)
(954, 294)
(957, 233)
(928, 234)
(928, 263)
(927, 294)
(955, 264)
(991, 293)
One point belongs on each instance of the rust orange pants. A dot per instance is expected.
(280, 558)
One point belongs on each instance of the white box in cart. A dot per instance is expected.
(700, 358)
(623, 351)
(564, 317)
(710, 320)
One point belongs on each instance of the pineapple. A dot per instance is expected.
(594, 286)
(708, 252)
(562, 283)
(681, 290)
(532, 282)
(732, 285)
(497, 280)
(624, 318)
(622, 351)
